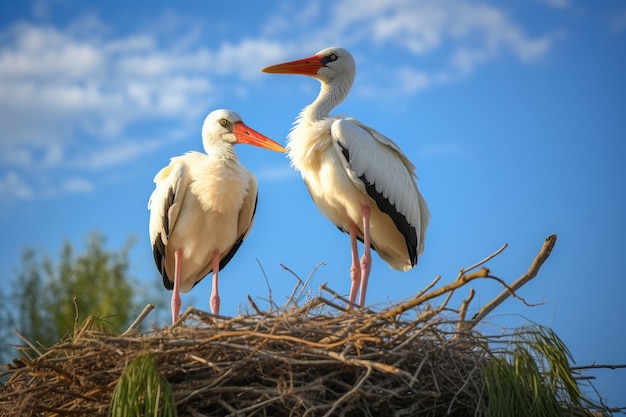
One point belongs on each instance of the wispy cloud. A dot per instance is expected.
(71, 91)
(77, 185)
(458, 37)
(83, 89)
(465, 35)
(12, 188)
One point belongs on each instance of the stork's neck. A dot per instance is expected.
(330, 96)
(222, 151)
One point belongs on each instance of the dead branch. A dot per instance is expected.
(597, 366)
(460, 281)
(541, 257)
(135, 325)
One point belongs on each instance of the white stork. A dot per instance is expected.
(203, 206)
(358, 178)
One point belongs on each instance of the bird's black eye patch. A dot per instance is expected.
(329, 58)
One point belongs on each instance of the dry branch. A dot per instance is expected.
(541, 257)
(137, 322)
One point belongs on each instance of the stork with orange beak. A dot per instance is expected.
(203, 206)
(358, 178)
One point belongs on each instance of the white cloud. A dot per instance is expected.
(38, 52)
(113, 154)
(403, 82)
(80, 89)
(474, 32)
(55, 85)
(417, 26)
(466, 59)
(412, 80)
(12, 187)
(77, 185)
(59, 86)
(458, 37)
(236, 58)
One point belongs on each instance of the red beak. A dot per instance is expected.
(306, 66)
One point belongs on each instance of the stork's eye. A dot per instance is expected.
(333, 57)
(224, 122)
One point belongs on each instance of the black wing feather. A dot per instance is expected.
(384, 205)
(158, 247)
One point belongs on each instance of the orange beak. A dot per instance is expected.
(306, 66)
(250, 136)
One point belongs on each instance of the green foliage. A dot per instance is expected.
(29, 296)
(143, 391)
(92, 324)
(532, 377)
(97, 280)
(50, 298)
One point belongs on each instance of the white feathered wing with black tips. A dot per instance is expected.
(203, 207)
(358, 178)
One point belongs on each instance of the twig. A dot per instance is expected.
(363, 362)
(25, 340)
(352, 391)
(463, 309)
(288, 338)
(462, 280)
(295, 288)
(76, 312)
(227, 406)
(458, 392)
(484, 261)
(269, 287)
(541, 257)
(335, 294)
(255, 307)
(429, 286)
(254, 406)
(596, 366)
(147, 309)
(316, 302)
(306, 282)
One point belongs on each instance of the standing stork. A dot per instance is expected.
(358, 178)
(203, 206)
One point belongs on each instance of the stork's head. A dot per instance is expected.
(226, 127)
(326, 65)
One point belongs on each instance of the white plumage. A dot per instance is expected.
(203, 206)
(358, 178)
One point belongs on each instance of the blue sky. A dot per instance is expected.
(514, 114)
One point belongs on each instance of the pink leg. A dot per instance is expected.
(178, 260)
(366, 260)
(355, 269)
(215, 296)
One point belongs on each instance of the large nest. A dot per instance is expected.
(292, 364)
(314, 359)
